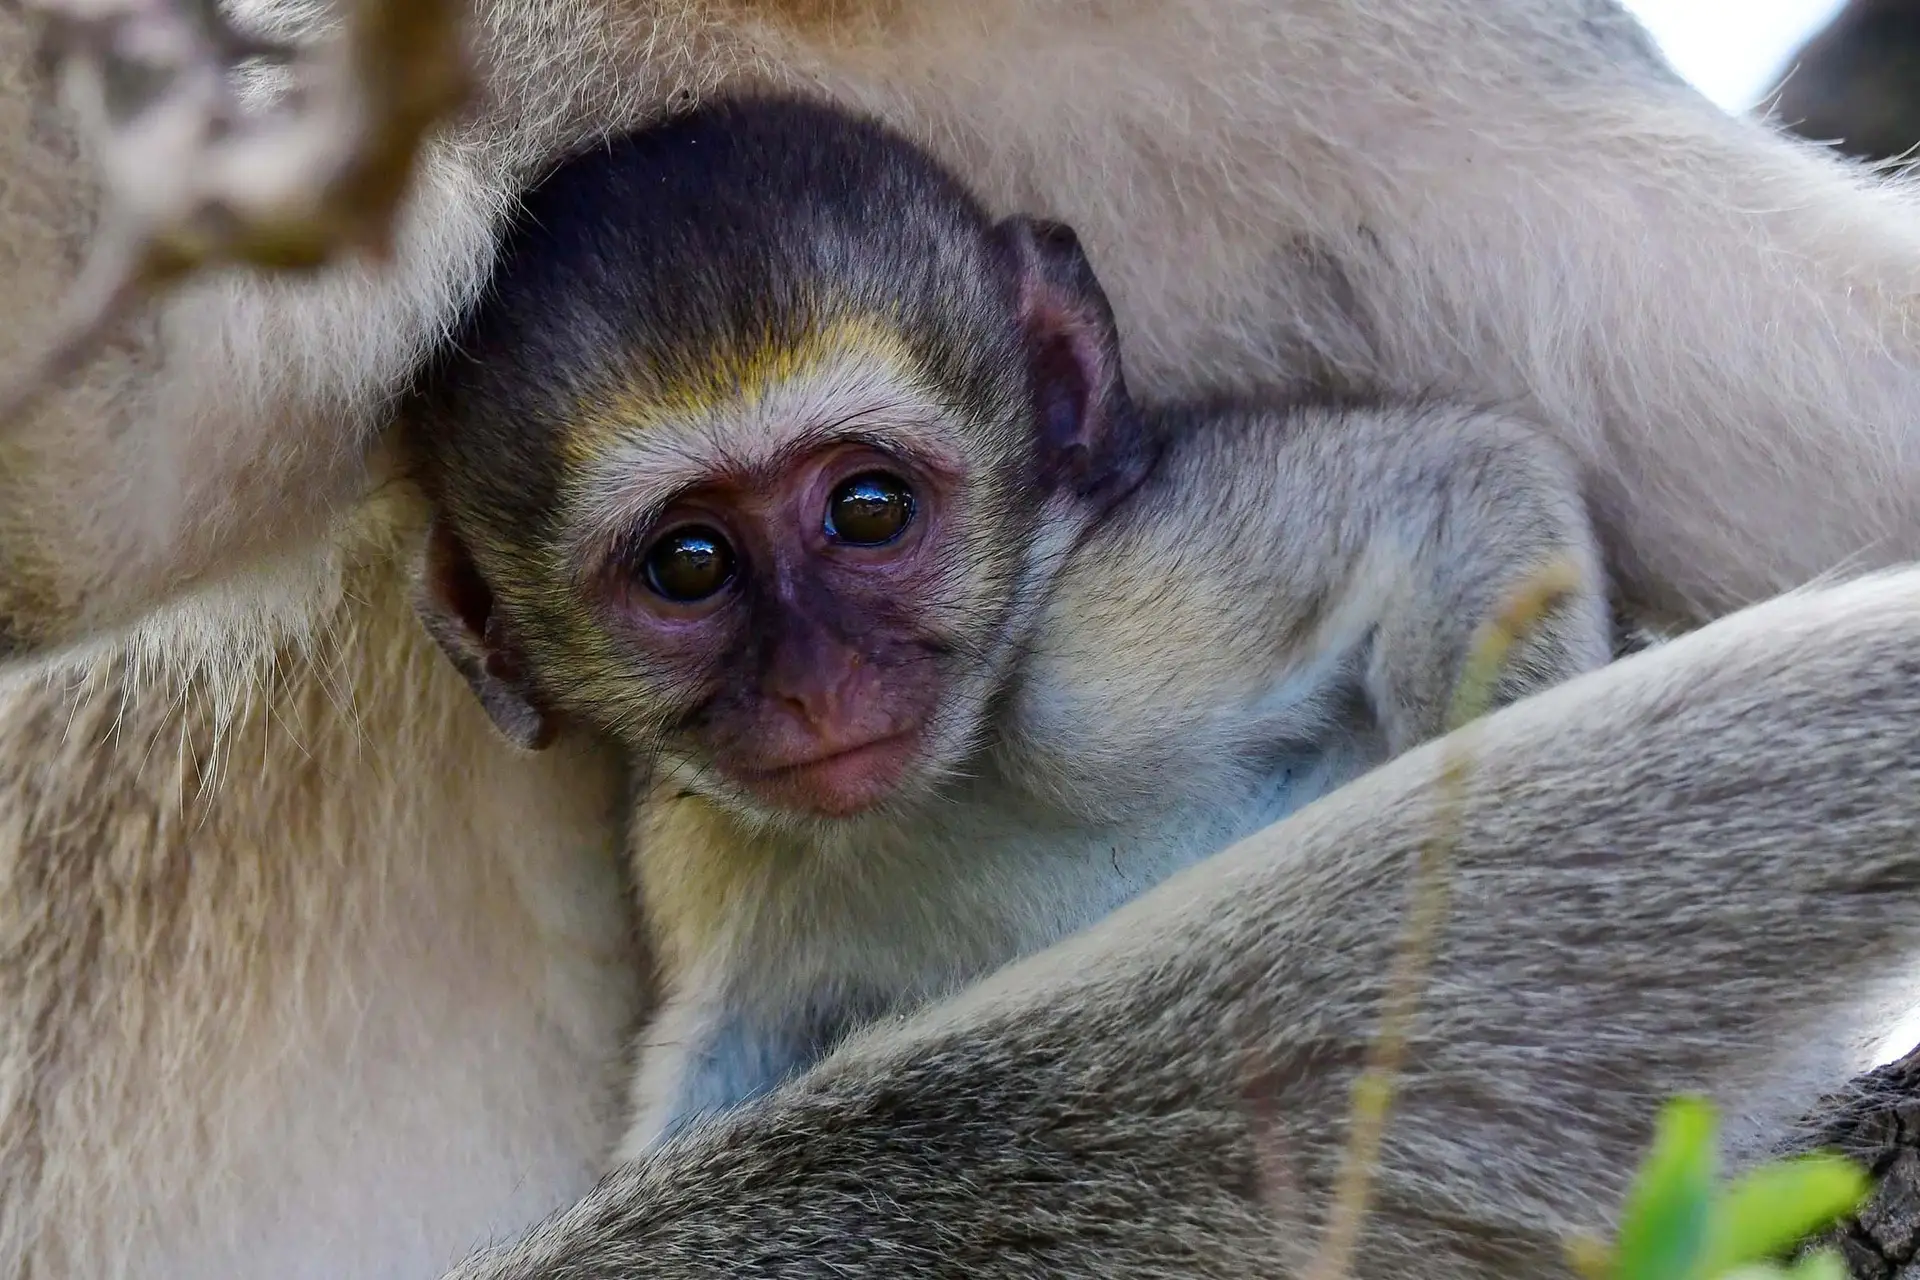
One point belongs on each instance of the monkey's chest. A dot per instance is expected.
(902, 915)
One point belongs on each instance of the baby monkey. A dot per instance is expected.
(773, 456)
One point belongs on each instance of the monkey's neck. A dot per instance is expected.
(930, 898)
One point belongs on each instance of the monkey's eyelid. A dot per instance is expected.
(914, 429)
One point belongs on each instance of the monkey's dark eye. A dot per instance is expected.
(871, 509)
(689, 564)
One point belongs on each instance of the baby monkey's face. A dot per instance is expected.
(809, 632)
(839, 543)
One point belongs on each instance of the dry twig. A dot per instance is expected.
(1373, 1092)
(195, 178)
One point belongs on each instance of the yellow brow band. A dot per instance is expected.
(728, 375)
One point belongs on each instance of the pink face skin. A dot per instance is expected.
(814, 673)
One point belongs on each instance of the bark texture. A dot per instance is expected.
(1878, 1123)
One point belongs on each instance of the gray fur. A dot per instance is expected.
(1698, 869)
(1287, 601)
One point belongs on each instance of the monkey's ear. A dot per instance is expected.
(1091, 440)
(456, 606)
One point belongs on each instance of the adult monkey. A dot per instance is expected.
(339, 993)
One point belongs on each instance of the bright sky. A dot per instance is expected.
(1732, 49)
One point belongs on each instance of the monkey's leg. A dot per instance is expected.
(1486, 528)
(1698, 869)
(1423, 646)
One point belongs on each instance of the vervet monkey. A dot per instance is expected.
(306, 974)
(1695, 870)
(773, 456)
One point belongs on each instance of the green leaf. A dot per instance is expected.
(1777, 1206)
(1668, 1217)
(1821, 1264)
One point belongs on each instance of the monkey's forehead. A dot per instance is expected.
(735, 178)
(749, 412)
(734, 233)
(581, 367)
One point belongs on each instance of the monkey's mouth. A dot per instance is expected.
(839, 784)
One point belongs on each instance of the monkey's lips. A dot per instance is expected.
(838, 784)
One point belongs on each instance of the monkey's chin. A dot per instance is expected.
(842, 785)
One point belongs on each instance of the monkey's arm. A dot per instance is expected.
(1697, 869)
(1470, 510)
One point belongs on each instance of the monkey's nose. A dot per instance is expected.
(839, 708)
(811, 707)
(822, 707)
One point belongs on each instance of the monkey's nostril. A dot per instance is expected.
(804, 708)
(836, 709)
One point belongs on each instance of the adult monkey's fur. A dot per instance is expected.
(302, 975)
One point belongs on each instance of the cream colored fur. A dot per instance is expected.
(1505, 200)
(319, 982)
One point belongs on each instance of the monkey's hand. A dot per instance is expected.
(228, 426)
(1489, 550)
